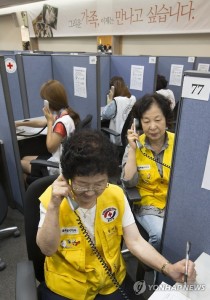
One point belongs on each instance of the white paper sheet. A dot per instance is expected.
(163, 292)
(176, 75)
(206, 176)
(137, 75)
(80, 88)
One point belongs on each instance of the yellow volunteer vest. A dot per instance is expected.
(74, 270)
(152, 187)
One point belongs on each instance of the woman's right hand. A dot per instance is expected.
(48, 115)
(60, 189)
(132, 137)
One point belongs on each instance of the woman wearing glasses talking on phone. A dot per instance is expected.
(147, 162)
(83, 245)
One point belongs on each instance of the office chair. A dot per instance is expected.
(4, 195)
(43, 164)
(30, 271)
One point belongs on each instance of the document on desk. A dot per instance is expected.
(166, 292)
(201, 288)
(196, 291)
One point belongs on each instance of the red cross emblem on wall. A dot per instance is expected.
(10, 65)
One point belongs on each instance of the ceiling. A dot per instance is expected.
(8, 3)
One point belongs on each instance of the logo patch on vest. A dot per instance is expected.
(109, 214)
(70, 230)
(69, 243)
(144, 167)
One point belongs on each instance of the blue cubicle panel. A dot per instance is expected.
(121, 66)
(187, 215)
(14, 87)
(104, 71)
(8, 136)
(3, 52)
(164, 67)
(63, 70)
(202, 63)
(34, 70)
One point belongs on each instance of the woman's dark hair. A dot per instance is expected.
(143, 104)
(161, 82)
(120, 88)
(55, 93)
(89, 152)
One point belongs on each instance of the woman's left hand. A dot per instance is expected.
(176, 271)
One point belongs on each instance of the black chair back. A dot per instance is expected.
(85, 123)
(31, 217)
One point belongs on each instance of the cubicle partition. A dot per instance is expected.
(188, 207)
(33, 70)
(202, 64)
(173, 68)
(104, 71)
(139, 72)
(14, 87)
(8, 136)
(78, 73)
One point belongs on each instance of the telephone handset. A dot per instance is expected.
(140, 146)
(72, 203)
(135, 125)
(46, 103)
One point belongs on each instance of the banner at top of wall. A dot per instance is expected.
(57, 18)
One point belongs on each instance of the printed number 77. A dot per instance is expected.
(197, 87)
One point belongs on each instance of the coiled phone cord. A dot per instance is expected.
(100, 258)
(156, 160)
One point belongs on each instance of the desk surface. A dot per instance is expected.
(25, 132)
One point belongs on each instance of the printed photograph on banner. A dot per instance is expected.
(46, 21)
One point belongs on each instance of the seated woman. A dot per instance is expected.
(60, 120)
(147, 160)
(83, 246)
(161, 88)
(120, 103)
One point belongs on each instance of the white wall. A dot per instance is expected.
(10, 35)
(86, 44)
(186, 45)
(176, 45)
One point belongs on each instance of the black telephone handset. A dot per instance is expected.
(135, 125)
(72, 203)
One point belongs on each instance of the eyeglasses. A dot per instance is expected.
(80, 189)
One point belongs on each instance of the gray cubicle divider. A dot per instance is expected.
(188, 207)
(8, 136)
(164, 68)
(104, 71)
(202, 63)
(14, 86)
(121, 66)
(63, 70)
(34, 70)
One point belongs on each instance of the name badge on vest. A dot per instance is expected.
(70, 230)
(143, 167)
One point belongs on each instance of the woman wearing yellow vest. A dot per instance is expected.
(82, 243)
(147, 161)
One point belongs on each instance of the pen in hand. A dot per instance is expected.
(187, 257)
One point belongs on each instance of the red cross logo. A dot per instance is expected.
(10, 65)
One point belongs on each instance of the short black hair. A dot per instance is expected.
(144, 103)
(161, 82)
(89, 152)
